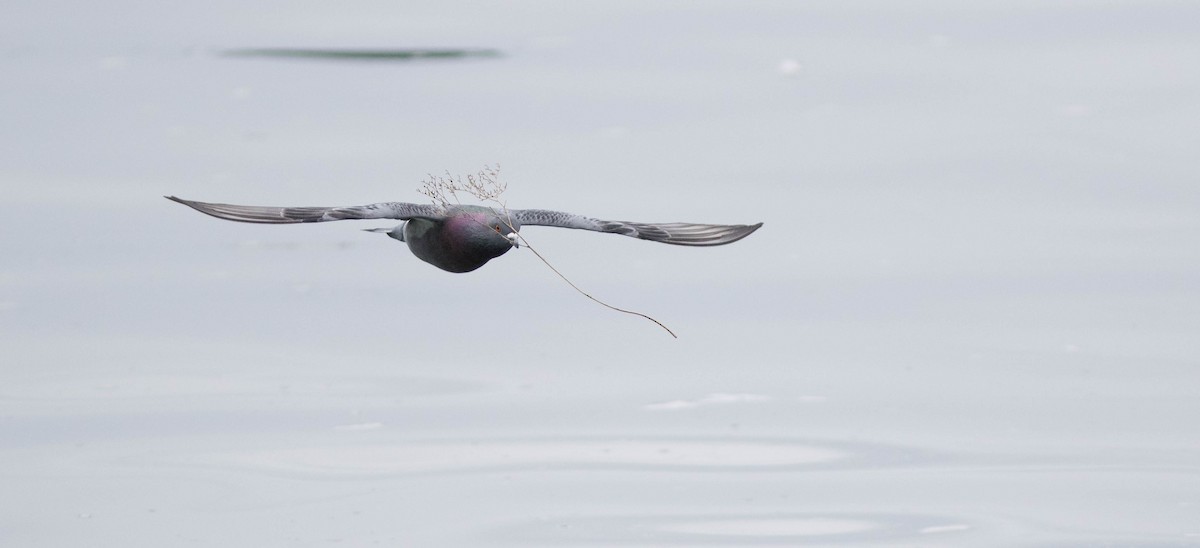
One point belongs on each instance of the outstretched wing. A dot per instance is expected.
(286, 215)
(668, 233)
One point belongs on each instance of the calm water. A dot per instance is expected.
(969, 319)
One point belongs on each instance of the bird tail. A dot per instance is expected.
(395, 232)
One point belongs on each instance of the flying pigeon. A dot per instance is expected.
(462, 238)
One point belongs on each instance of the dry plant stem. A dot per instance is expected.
(487, 187)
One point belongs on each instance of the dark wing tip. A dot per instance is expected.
(202, 207)
(746, 230)
(254, 214)
(727, 235)
(696, 235)
(198, 206)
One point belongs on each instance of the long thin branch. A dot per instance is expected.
(586, 294)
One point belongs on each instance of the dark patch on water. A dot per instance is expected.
(375, 55)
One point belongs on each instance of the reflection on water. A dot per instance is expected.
(142, 391)
(771, 527)
(711, 399)
(362, 54)
(737, 529)
(479, 455)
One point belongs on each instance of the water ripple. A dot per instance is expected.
(467, 456)
(737, 529)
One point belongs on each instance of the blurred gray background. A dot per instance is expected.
(971, 316)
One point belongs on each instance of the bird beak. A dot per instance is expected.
(513, 239)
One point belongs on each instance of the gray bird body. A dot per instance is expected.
(466, 239)
(462, 238)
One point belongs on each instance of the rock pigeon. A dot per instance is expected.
(462, 238)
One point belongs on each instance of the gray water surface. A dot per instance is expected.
(969, 320)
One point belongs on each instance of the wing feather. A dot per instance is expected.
(288, 215)
(690, 234)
